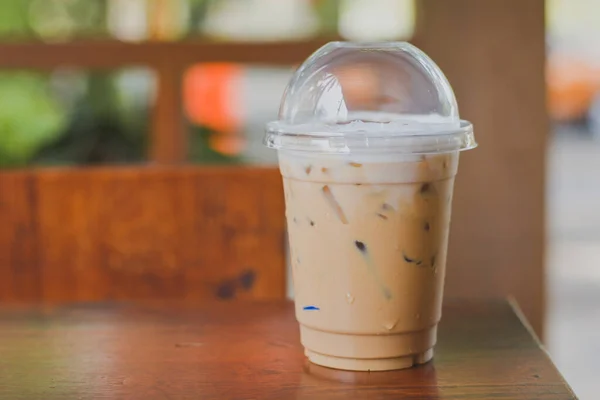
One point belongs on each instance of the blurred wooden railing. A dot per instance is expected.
(168, 60)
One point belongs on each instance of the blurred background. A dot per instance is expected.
(115, 100)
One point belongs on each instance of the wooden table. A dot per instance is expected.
(252, 351)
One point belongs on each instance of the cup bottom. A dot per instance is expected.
(368, 352)
(382, 364)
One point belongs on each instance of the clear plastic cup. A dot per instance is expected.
(368, 139)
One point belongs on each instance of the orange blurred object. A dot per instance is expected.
(572, 85)
(227, 144)
(211, 91)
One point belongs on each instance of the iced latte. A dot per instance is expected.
(368, 186)
(368, 246)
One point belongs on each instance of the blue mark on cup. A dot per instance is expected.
(311, 308)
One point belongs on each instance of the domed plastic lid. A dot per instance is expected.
(382, 97)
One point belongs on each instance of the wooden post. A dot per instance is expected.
(168, 143)
(493, 53)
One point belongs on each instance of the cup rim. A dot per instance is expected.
(283, 136)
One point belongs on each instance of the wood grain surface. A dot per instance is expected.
(141, 233)
(250, 350)
(19, 273)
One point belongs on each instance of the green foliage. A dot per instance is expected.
(51, 19)
(104, 128)
(328, 12)
(29, 117)
(14, 18)
(61, 20)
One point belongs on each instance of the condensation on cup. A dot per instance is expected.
(368, 140)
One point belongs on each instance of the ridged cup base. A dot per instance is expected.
(368, 352)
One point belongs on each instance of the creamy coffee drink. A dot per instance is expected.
(368, 246)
